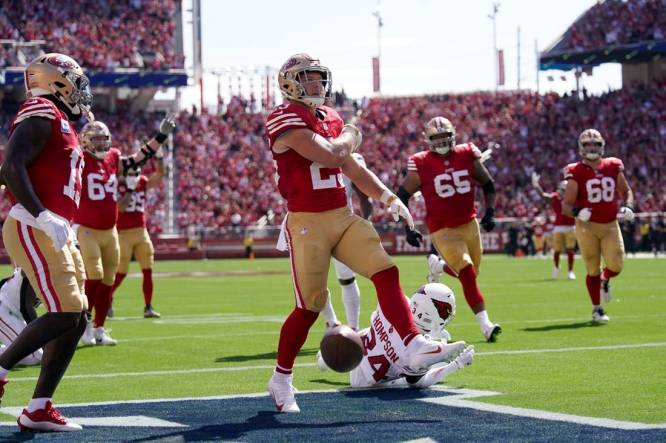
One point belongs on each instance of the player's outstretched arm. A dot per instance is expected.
(152, 148)
(314, 147)
(535, 182)
(156, 177)
(438, 373)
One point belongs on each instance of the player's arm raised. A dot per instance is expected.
(156, 177)
(535, 182)
(482, 176)
(330, 154)
(152, 148)
(371, 186)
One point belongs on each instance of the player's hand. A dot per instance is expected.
(168, 124)
(57, 229)
(414, 238)
(465, 358)
(488, 220)
(627, 213)
(583, 214)
(535, 179)
(355, 134)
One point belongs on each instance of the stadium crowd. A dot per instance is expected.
(99, 35)
(617, 22)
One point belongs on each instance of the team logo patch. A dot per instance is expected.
(64, 127)
(61, 61)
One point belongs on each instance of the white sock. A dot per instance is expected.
(351, 297)
(283, 378)
(3, 373)
(484, 321)
(37, 403)
(595, 307)
(329, 313)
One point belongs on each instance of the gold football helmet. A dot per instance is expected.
(95, 138)
(297, 83)
(591, 144)
(440, 134)
(62, 77)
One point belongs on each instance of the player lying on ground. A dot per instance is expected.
(433, 306)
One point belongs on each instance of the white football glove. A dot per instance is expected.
(627, 213)
(465, 358)
(485, 155)
(356, 135)
(584, 214)
(397, 208)
(168, 124)
(535, 179)
(57, 229)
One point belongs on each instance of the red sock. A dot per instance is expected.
(556, 259)
(103, 304)
(394, 304)
(570, 258)
(471, 290)
(608, 274)
(91, 287)
(119, 279)
(593, 287)
(147, 286)
(450, 271)
(293, 334)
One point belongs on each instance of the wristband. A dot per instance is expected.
(160, 138)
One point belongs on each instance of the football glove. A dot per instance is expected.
(57, 229)
(168, 124)
(535, 179)
(488, 220)
(414, 238)
(465, 358)
(397, 208)
(627, 213)
(582, 214)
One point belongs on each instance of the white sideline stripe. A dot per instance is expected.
(460, 401)
(133, 421)
(308, 365)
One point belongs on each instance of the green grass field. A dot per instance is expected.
(218, 335)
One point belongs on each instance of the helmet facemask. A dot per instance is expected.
(440, 135)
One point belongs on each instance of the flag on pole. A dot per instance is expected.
(375, 74)
(500, 63)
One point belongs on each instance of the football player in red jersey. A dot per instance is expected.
(42, 169)
(311, 148)
(132, 232)
(447, 174)
(98, 213)
(593, 185)
(564, 238)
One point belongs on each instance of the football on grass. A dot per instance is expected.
(341, 348)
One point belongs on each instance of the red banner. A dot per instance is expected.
(375, 74)
(500, 64)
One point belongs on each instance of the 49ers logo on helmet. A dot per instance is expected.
(290, 63)
(61, 61)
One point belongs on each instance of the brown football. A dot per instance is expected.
(341, 348)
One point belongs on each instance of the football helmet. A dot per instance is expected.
(440, 134)
(591, 144)
(433, 307)
(95, 138)
(132, 178)
(60, 76)
(296, 80)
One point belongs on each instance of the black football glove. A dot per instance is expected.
(414, 238)
(488, 220)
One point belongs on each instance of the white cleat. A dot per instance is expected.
(88, 337)
(423, 353)
(556, 272)
(434, 268)
(321, 364)
(599, 316)
(282, 393)
(465, 358)
(606, 295)
(491, 333)
(103, 337)
(571, 275)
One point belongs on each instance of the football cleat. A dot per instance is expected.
(45, 420)
(434, 269)
(149, 312)
(103, 337)
(282, 393)
(321, 364)
(606, 291)
(571, 275)
(88, 337)
(599, 316)
(491, 333)
(556, 272)
(465, 358)
(423, 353)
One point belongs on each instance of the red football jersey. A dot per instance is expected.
(134, 215)
(99, 197)
(306, 185)
(556, 205)
(447, 185)
(56, 172)
(597, 187)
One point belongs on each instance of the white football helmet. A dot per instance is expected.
(440, 134)
(433, 307)
(294, 80)
(591, 144)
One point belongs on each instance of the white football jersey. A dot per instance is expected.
(10, 292)
(384, 350)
